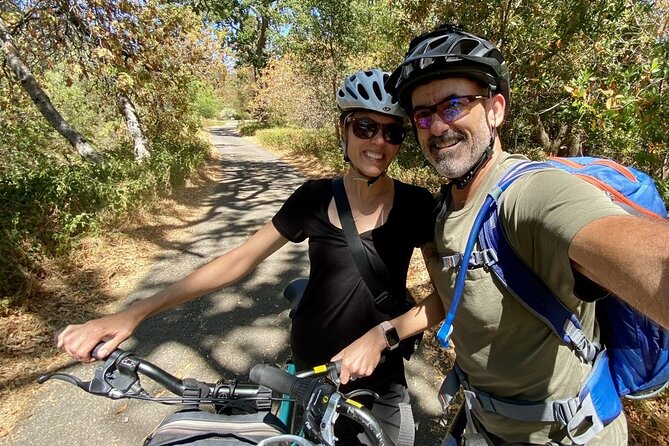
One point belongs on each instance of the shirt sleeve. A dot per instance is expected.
(542, 212)
(291, 218)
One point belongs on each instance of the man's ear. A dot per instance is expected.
(496, 112)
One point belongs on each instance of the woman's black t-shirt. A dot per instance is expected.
(337, 308)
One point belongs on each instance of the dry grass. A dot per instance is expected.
(108, 267)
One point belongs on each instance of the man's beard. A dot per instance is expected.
(454, 163)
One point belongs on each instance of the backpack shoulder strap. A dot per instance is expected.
(528, 289)
(490, 202)
(523, 284)
(516, 277)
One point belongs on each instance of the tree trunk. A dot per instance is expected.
(135, 130)
(552, 146)
(334, 85)
(41, 99)
(259, 56)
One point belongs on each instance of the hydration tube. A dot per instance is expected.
(446, 328)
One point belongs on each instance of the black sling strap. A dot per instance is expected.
(379, 292)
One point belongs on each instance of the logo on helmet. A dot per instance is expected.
(386, 109)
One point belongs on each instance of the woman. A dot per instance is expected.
(391, 217)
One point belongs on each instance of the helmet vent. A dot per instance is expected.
(434, 44)
(377, 91)
(363, 92)
(465, 46)
(351, 92)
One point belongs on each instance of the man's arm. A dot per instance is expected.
(362, 356)
(628, 256)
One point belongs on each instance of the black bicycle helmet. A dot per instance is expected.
(448, 51)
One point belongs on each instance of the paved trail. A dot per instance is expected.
(220, 335)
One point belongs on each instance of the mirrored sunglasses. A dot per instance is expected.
(366, 128)
(448, 110)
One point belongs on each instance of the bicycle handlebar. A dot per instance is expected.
(118, 377)
(315, 390)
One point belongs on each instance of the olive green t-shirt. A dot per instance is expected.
(504, 349)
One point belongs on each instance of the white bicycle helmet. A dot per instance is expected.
(364, 90)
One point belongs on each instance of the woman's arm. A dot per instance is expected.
(362, 356)
(79, 340)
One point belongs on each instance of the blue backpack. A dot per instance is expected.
(634, 358)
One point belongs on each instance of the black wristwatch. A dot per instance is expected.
(392, 338)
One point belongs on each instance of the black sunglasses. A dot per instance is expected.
(448, 110)
(366, 128)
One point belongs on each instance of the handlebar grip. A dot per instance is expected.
(283, 382)
(96, 349)
(276, 379)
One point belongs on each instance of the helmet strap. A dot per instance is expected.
(344, 146)
(363, 177)
(461, 182)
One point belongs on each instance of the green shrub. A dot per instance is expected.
(663, 187)
(205, 101)
(228, 113)
(319, 143)
(249, 128)
(45, 207)
(241, 115)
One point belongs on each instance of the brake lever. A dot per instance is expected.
(331, 370)
(116, 378)
(334, 369)
(64, 377)
(329, 419)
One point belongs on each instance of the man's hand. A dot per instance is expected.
(79, 341)
(362, 356)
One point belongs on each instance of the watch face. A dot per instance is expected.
(392, 338)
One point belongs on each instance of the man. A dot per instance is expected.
(455, 87)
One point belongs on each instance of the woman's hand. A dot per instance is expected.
(362, 356)
(79, 340)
